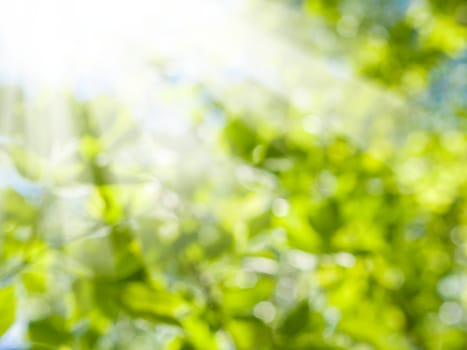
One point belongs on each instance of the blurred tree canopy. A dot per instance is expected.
(293, 233)
(395, 42)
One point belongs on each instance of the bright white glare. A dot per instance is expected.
(93, 45)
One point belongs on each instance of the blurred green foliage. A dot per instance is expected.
(395, 42)
(289, 239)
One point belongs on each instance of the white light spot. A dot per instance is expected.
(280, 207)
(265, 311)
(450, 313)
(345, 259)
(262, 265)
(301, 260)
(450, 286)
(245, 280)
(327, 183)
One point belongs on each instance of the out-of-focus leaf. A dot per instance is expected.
(7, 308)
(250, 334)
(50, 331)
(145, 301)
(295, 320)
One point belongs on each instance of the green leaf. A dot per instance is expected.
(144, 301)
(49, 331)
(295, 320)
(7, 308)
